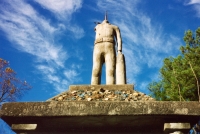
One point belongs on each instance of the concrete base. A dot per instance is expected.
(98, 117)
(105, 87)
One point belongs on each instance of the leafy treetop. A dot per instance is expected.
(180, 76)
(11, 88)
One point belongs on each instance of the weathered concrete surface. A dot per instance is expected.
(104, 117)
(105, 87)
(82, 108)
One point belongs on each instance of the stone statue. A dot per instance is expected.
(104, 52)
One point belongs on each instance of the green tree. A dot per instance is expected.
(180, 76)
(11, 88)
(158, 92)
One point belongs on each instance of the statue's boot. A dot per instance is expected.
(95, 80)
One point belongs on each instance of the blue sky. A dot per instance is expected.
(49, 43)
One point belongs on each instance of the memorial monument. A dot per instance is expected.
(107, 35)
(112, 108)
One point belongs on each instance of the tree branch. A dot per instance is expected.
(179, 89)
(195, 78)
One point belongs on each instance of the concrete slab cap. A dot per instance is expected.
(97, 116)
(105, 87)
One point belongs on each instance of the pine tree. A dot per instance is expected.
(180, 76)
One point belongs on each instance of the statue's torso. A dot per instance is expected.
(105, 30)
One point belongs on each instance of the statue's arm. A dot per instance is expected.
(119, 40)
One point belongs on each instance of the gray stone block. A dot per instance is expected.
(97, 87)
(103, 117)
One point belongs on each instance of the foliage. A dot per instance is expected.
(180, 76)
(157, 89)
(11, 88)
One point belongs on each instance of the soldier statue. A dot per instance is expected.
(104, 51)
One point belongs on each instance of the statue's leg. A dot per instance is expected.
(97, 65)
(110, 60)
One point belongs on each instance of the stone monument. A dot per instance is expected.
(107, 35)
(95, 108)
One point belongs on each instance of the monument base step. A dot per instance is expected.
(98, 87)
(100, 117)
